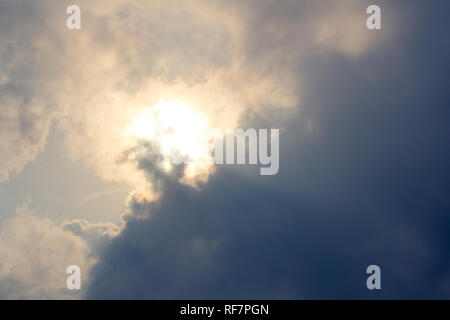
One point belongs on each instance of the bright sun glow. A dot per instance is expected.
(179, 131)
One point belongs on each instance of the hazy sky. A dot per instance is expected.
(363, 179)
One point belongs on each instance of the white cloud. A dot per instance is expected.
(225, 61)
(34, 256)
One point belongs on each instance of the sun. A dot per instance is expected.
(182, 134)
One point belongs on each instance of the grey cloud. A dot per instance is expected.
(26, 111)
(364, 183)
(96, 235)
(363, 174)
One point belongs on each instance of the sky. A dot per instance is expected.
(89, 119)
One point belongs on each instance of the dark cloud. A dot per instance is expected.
(364, 175)
(363, 180)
